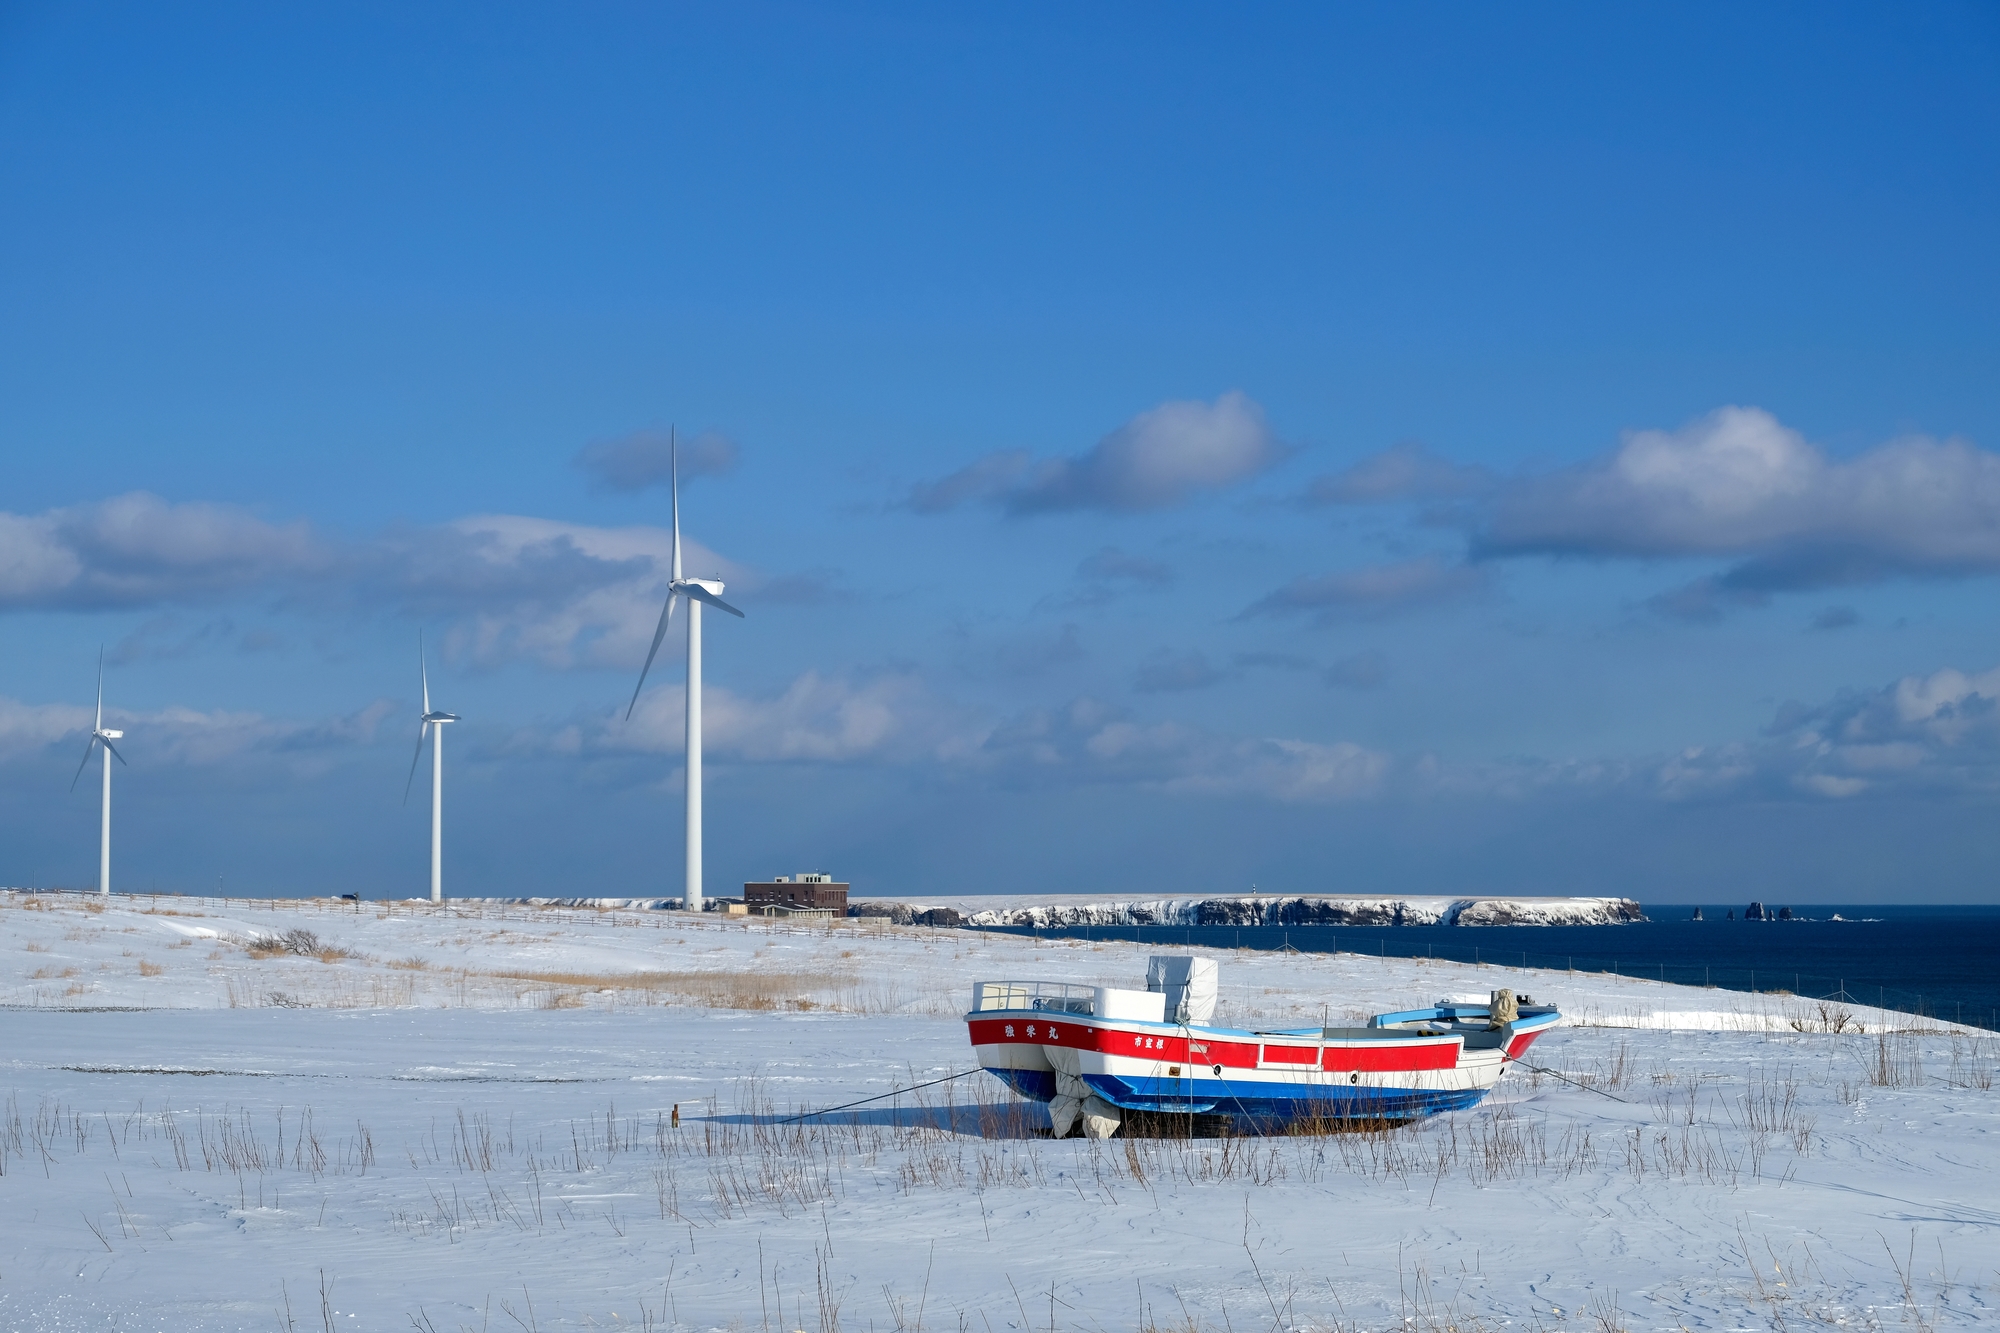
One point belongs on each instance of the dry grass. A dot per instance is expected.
(33, 947)
(48, 973)
(299, 943)
(1972, 1062)
(1898, 1061)
(412, 964)
(147, 969)
(713, 990)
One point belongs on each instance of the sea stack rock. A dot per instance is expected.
(1696, 916)
(1754, 912)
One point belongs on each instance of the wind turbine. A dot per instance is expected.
(696, 591)
(431, 725)
(100, 735)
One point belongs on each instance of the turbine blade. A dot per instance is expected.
(114, 750)
(423, 729)
(695, 590)
(674, 471)
(666, 618)
(100, 684)
(423, 671)
(89, 748)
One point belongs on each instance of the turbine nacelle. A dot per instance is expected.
(701, 590)
(109, 734)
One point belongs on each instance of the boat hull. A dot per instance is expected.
(1261, 1081)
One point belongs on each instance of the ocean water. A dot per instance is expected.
(1938, 960)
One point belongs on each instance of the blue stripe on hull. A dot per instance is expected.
(1279, 1104)
(1266, 1105)
(1035, 1084)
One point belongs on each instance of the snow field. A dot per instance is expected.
(492, 1145)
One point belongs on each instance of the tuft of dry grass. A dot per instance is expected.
(50, 973)
(410, 964)
(1827, 1017)
(297, 942)
(33, 947)
(147, 969)
(1972, 1062)
(1898, 1062)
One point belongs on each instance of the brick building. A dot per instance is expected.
(811, 890)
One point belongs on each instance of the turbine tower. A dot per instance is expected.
(431, 725)
(696, 591)
(100, 735)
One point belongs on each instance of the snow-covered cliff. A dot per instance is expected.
(1261, 910)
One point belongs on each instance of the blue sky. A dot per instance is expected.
(1335, 449)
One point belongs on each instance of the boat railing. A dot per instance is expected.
(1063, 997)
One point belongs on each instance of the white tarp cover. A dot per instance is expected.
(1074, 1098)
(1189, 984)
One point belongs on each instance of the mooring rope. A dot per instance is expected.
(807, 1115)
(1572, 1082)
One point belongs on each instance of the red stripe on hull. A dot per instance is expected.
(1393, 1059)
(1386, 1056)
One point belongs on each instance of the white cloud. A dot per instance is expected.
(56, 734)
(511, 586)
(1406, 471)
(1089, 742)
(562, 594)
(1929, 734)
(1372, 589)
(137, 549)
(1167, 672)
(894, 719)
(815, 719)
(1739, 483)
(646, 458)
(30, 728)
(1290, 770)
(1160, 458)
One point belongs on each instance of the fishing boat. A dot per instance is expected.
(1101, 1056)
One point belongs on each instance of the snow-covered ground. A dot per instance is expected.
(463, 1119)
